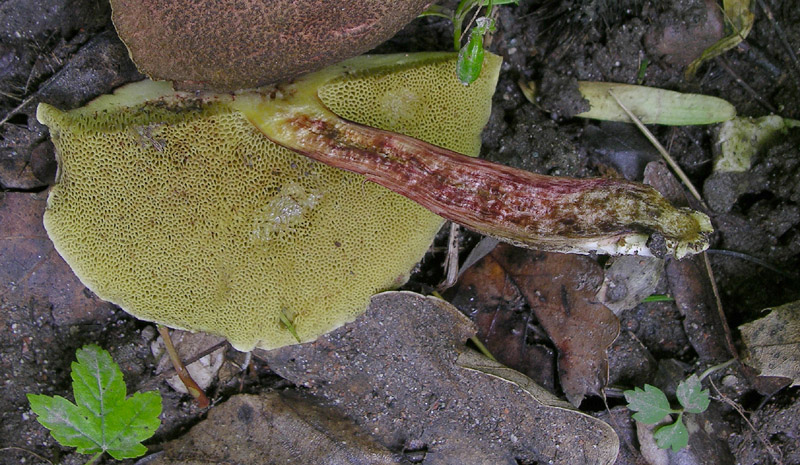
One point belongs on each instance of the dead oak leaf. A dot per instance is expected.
(560, 290)
(275, 427)
(773, 342)
(402, 373)
(505, 323)
(34, 273)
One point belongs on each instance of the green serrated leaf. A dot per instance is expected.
(102, 419)
(692, 396)
(651, 404)
(134, 421)
(97, 381)
(674, 435)
(66, 422)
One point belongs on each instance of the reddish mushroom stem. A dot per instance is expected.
(516, 206)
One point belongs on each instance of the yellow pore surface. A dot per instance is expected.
(177, 209)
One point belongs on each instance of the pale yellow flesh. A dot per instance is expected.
(176, 208)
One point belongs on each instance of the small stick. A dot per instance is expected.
(170, 371)
(43, 459)
(782, 36)
(776, 455)
(95, 458)
(248, 357)
(10, 95)
(722, 318)
(721, 61)
(17, 109)
(474, 338)
(757, 56)
(670, 161)
(756, 260)
(482, 348)
(183, 374)
(288, 323)
(711, 370)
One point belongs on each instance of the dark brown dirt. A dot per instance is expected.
(65, 53)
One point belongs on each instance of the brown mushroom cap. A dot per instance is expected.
(176, 208)
(232, 44)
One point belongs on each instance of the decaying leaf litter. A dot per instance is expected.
(761, 221)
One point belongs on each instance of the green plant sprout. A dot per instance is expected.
(658, 298)
(652, 406)
(470, 55)
(102, 419)
(289, 324)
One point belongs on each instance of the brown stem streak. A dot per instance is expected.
(191, 386)
(524, 208)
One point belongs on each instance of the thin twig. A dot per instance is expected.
(723, 63)
(715, 368)
(210, 350)
(471, 21)
(17, 109)
(170, 371)
(95, 458)
(474, 339)
(756, 260)
(782, 37)
(720, 312)
(248, 358)
(678, 171)
(191, 386)
(27, 452)
(35, 94)
(637, 454)
(757, 56)
(777, 456)
(10, 95)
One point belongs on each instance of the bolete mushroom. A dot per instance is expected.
(175, 207)
(234, 44)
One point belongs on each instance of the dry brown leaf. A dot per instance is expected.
(275, 427)
(773, 342)
(505, 324)
(394, 371)
(560, 290)
(35, 274)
